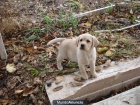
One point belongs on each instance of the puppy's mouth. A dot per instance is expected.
(82, 47)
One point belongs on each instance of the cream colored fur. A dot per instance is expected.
(81, 50)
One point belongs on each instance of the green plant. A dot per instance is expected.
(59, 72)
(48, 21)
(73, 64)
(63, 21)
(75, 5)
(73, 20)
(35, 72)
(110, 9)
(36, 31)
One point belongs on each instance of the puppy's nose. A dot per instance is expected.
(82, 46)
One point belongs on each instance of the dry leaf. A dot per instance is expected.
(57, 88)
(4, 102)
(28, 90)
(29, 49)
(98, 68)
(102, 50)
(16, 58)
(10, 68)
(30, 58)
(75, 84)
(107, 63)
(2, 63)
(89, 74)
(110, 52)
(131, 11)
(79, 79)
(88, 24)
(59, 79)
(37, 80)
(18, 91)
(34, 99)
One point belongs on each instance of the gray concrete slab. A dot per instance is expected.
(112, 77)
(130, 97)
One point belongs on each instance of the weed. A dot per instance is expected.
(73, 20)
(35, 72)
(75, 5)
(59, 72)
(110, 9)
(48, 21)
(36, 31)
(42, 87)
(63, 21)
(73, 65)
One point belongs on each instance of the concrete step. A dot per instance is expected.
(110, 78)
(130, 97)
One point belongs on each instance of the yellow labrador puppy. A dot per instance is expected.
(81, 50)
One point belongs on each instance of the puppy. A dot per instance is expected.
(81, 50)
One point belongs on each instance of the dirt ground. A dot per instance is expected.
(25, 27)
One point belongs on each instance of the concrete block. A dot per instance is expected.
(130, 97)
(113, 77)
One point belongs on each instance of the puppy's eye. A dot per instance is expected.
(88, 41)
(81, 40)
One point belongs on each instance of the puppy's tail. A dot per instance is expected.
(55, 41)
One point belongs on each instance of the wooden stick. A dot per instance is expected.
(3, 53)
(124, 28)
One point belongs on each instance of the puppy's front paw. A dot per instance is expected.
(94, 75)
(60, 68)
(85, 77)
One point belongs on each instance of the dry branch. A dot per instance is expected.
(124, 28)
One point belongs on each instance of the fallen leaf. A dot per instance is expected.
(89, 74)
(11, 83)
(131, 11)
(79, 79)
(107, 63)
(27, 90)
(110, 52)
(98, 68)
(37, 80)
(16, 48)
(75, 84)
(29, 49)
(88, 24)
(10, 68)
(59, 79)
(16, 58)
(102, 50)
(2, 63)
(18, 91)
(40, 102)
(57, 88)
(30, 58)
(4, 102)
(34, 99)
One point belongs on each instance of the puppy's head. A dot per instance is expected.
(87, 42)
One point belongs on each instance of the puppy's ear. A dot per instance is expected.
(77, 40)
(95, 41)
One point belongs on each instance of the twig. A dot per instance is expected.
(124, 28)
(92, 11)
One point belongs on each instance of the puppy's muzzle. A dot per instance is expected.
(82, 46)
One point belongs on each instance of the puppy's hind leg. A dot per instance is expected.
(60, 58)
